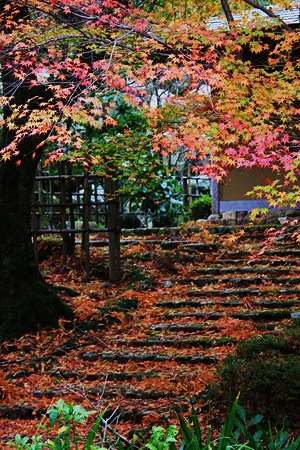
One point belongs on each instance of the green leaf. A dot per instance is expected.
(196, 425)
(93, 432)
(228, 427)
(255, 420)
(241, 413)
(53, 416)
(151, 446)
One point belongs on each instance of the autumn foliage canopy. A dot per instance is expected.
(224, 92)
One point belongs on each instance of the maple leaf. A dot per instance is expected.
(6, 156)
(110, 121)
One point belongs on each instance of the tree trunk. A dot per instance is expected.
(26, 301)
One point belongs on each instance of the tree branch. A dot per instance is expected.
(227, 11)
(269, 13)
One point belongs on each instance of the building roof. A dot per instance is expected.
(289, 16)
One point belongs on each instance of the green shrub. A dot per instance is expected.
(266, 372)
(162, 439)
(201, 208)
(67, 416)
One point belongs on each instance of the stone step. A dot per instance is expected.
(249, 230)
(192, 246)
(241, 254)
(184, 327)
(245, 270)
(273, 315)
(198, 315)
(257, 314)
(140, 356)
(255, 262)
(195, 303)
(242, 292)
(277, 303)
(241, 281)
(125, 392)
(178, 303)
(126, 414)
(109, 376)
(204, 342)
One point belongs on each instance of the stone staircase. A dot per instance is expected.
(144, 361)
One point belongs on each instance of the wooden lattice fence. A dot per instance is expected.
(78, 206)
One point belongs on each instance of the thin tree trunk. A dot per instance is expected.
(227, 11)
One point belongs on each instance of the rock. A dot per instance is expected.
(229, 218)
(214, 218)
(282, 220)
(229, 215)
(242, 218)
(130, 220)
(79, 225)
(296, 317)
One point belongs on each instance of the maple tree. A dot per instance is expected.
(240, 106)
(228, 94)
(44, 86)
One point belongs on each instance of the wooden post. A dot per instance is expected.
(63, 217)
(185, 190)
(86, 226)
(71, 215)
(113, 225)
(215, 193)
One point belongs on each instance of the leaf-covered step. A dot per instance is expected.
(273, 315)
(284, 252)
(204, 342)
(277, 303)
(20, 412)
(123, 391)
(126, 414)
(109, 376)
(123, 357)
(241, 281)
(241, 292)
(198, 315)
(245, 270)
(200, 247)
(194, 246)
(221, 262)
(195, 303)
(184, 327)
(241, 254)
(185, 302)
(149, 394)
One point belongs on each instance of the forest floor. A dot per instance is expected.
(152, 342)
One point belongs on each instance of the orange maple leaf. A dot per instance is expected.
(110, 121)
